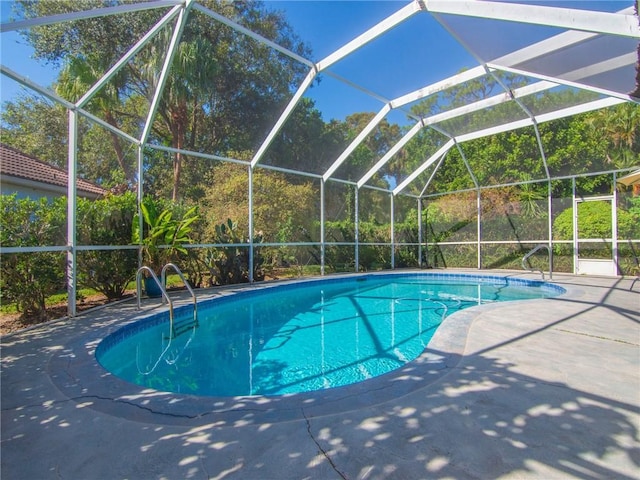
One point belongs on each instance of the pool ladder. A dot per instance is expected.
(534, 250)
(176, 328)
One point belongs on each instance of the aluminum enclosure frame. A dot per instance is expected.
(581, 25)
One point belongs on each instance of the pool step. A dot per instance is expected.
(181, 326)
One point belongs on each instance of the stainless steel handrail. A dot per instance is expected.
(165, 296)
(534, 250)
(144, 268)
(163, 276)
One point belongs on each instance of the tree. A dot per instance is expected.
(620, 128)
(569, 144)
(40, 129)
(306, 143)
(236, 98)
(184, 96)
(36, 127)
(107, 37)
(280, 206)
(372, 149)
(76, 78)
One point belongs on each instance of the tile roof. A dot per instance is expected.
(17, 164)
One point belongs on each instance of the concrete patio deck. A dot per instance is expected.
(540, 389)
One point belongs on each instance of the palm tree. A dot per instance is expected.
(184, 97)
(77, 77)
(219, 80)
(183, 100)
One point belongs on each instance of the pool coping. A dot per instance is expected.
(77, 374)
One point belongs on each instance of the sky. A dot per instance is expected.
(323, 25)
(16, 54)
(412, 55)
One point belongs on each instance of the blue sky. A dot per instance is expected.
(16, 54)
(414, 54)
(324, 25)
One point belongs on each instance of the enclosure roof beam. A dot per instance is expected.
(528, 112)
(86, 14)
(466, 164)
(460, 111)
(543, 154)
(50, 94)
(567, 18)
(436, 87)
(206, 156)
(506, 127)
(251, 34)
(444, 149)
(108, 126)
(546, 117)
(284, 116)
(563, 81)
(489, 102)
(454, 113)
(371, 34)
(166, 67)
(433, 174)
(360, 88)
(578, 109)
(630, 58)
(357, 141)
(45, 92)
(566, 112)
(513, 184)
(542, 48)
(129, 55)
(557, 42)
(392, 151)
(399, 102)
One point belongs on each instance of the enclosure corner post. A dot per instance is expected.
(420, 233)
(251, 277)
(479, 231)
(322, 233)
(140, 194)
(356, 230)
(614, 226)
(550, 226)
(72, 268)
(574, 208)
(393, 233)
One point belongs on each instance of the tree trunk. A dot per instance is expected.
(117, 146)
(179, 120)
(177, 166)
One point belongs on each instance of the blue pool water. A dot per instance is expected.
(300, 337)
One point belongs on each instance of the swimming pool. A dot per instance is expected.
(303, 336)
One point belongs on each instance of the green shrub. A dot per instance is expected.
(28, 278)
(107, 221)
(370, 257)
(594, 221)
(230, 265)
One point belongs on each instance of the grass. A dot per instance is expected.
(55, 299)
(294, 271)
(62, 297)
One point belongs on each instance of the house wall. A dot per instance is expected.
(35, 190)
